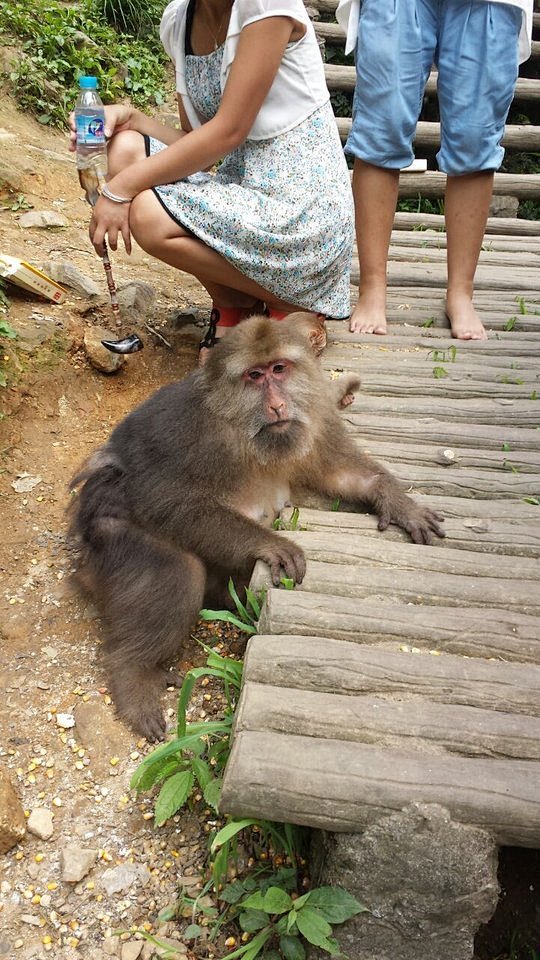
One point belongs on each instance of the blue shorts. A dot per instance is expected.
(473, 43)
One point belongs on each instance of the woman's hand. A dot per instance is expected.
(108, 220)
(118, 116)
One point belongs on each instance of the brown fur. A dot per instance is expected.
(177, 500)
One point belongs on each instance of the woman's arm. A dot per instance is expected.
(260, 50)
(121, 116)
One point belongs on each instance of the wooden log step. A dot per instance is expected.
(527, 461)
(498, 367)
(428, 430)
(501, 412)
(428, 136)
(324, 665)
(505, 298)
(432, 183)
(481, 632)
(431, 253)
(406, 586)
(486, 278)
(467, 731)
(495, 225)
(339, 786)
(463, 481)
(486, 534)
(373, 552)
(458, 507)
(433, 239)
(343, 77)
(508, 347)
(440, 376)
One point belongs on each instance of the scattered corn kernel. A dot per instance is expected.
(230, 942)
(36, 898)
(57, 802)
(114, 761)
(52, 886)
(90, 885)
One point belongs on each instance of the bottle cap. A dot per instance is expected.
(88, 83)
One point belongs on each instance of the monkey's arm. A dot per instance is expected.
(357, 477)
(217, 534)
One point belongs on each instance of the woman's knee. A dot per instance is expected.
(125, 148)
(151, 226)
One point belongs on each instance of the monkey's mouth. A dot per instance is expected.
(279, 424)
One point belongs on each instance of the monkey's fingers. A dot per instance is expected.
(286, 559)
(385, 519)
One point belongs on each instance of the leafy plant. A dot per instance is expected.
(7, 331)
(59, 43)
(428, 322)
(17, 203)
(291, 524)
(534, 500)
(510, 323)
(522, 305)
(281, 922)
(246, 616)
(439, 373)
(197, 755)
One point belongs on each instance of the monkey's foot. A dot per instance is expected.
(171, 678)
(135, 693)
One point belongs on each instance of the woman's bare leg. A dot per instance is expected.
(375, 193)
(466, 211)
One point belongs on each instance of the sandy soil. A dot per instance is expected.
(55, 411)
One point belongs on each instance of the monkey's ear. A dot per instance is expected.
(312, 326)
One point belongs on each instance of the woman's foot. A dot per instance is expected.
(369, 314)
(464, 320)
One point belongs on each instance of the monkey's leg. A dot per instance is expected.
(150, 596)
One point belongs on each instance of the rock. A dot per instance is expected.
(70, 276)
(112, 947)
(121, 879)
(503, 207)
(12, 822)
(77, 862)
(135, 300)
(40, 823)
(131, 950)
(101, 358)
(44, 219)
(101, 734)
(428, 882)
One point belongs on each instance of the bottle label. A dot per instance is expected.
(90, 130)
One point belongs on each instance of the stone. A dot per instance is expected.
(12, 821)
(77, 862)
(101, 734)
(503, 207)
(44, 219)
(40, 823)
(120, 879)
(135, 299)
(427, 881)
(98, 355)
(69, 275)
(131, 950)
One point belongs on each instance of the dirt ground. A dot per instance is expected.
(64, 751)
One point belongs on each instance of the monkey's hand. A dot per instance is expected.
(284, 558)
(345, 391)
(420, 522)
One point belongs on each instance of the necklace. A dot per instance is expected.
(215, 35)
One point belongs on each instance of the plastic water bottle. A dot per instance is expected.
(91, 145)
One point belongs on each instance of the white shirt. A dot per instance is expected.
(299, 87)
(348, 13)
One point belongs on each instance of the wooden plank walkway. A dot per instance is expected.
(400, 673)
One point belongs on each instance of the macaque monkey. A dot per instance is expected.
(184, 493)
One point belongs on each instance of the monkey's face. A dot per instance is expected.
(277, 422)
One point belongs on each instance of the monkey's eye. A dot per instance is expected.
(278, 368)
(255, 374)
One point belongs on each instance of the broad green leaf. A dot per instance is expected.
(253, 603)
(334, 903)
(212, 792)
(172, 796)
(292, 948)
(255, 901)
(230, 830)
(192, 932)
(332, 947)
(202, 772)
(271, 955)
(252, 920)
(233, 892)
(158, 772)
(312, 926)
(243, 613)
(276, 900)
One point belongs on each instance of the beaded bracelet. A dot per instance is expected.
(105, 192)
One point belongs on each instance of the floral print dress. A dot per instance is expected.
(279, 210)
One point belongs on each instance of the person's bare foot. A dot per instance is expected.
(464, 320)
(369, 314)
